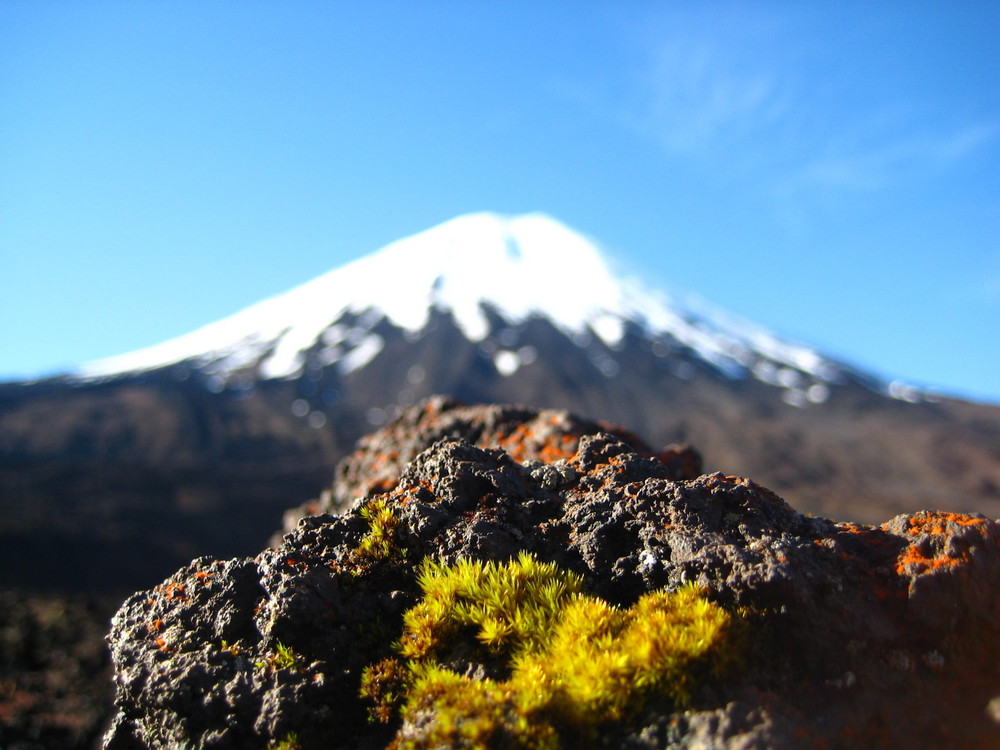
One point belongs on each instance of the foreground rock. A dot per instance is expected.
(826, 635)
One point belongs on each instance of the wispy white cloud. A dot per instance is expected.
(888, 157)
(692, 100)
(751, 98)
(965, 141)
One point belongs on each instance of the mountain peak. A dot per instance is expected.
(514, 267)
(518, 265)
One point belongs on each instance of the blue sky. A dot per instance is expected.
(829, 170)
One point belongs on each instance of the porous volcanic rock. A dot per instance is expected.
(526, 434)
(855, 636)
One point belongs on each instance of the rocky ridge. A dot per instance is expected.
(849, 635)
(543, 436)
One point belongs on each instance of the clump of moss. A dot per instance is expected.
(382, 522)
(512, 605)
(570, 662)
(384, 683)
(283, 657)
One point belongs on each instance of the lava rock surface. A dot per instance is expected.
(858, 636)
(527, 435)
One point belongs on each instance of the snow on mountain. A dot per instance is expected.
(521, 266)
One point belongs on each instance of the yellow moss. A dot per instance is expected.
(283, 657)
(382, 523)
(512, 605)
(474, 713)
(574, 661)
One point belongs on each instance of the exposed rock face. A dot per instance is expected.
(854, 636)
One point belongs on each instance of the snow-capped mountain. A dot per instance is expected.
(517, 268)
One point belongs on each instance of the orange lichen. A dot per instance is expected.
(852, 527)
(933, 522)
(930, 553)
(527, 441)
(175, 591)
(171, 591)
(163, 646)
(923, 563)
(872, 536)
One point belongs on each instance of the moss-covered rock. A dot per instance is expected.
(485, 595)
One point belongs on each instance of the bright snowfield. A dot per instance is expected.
(520, 266)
